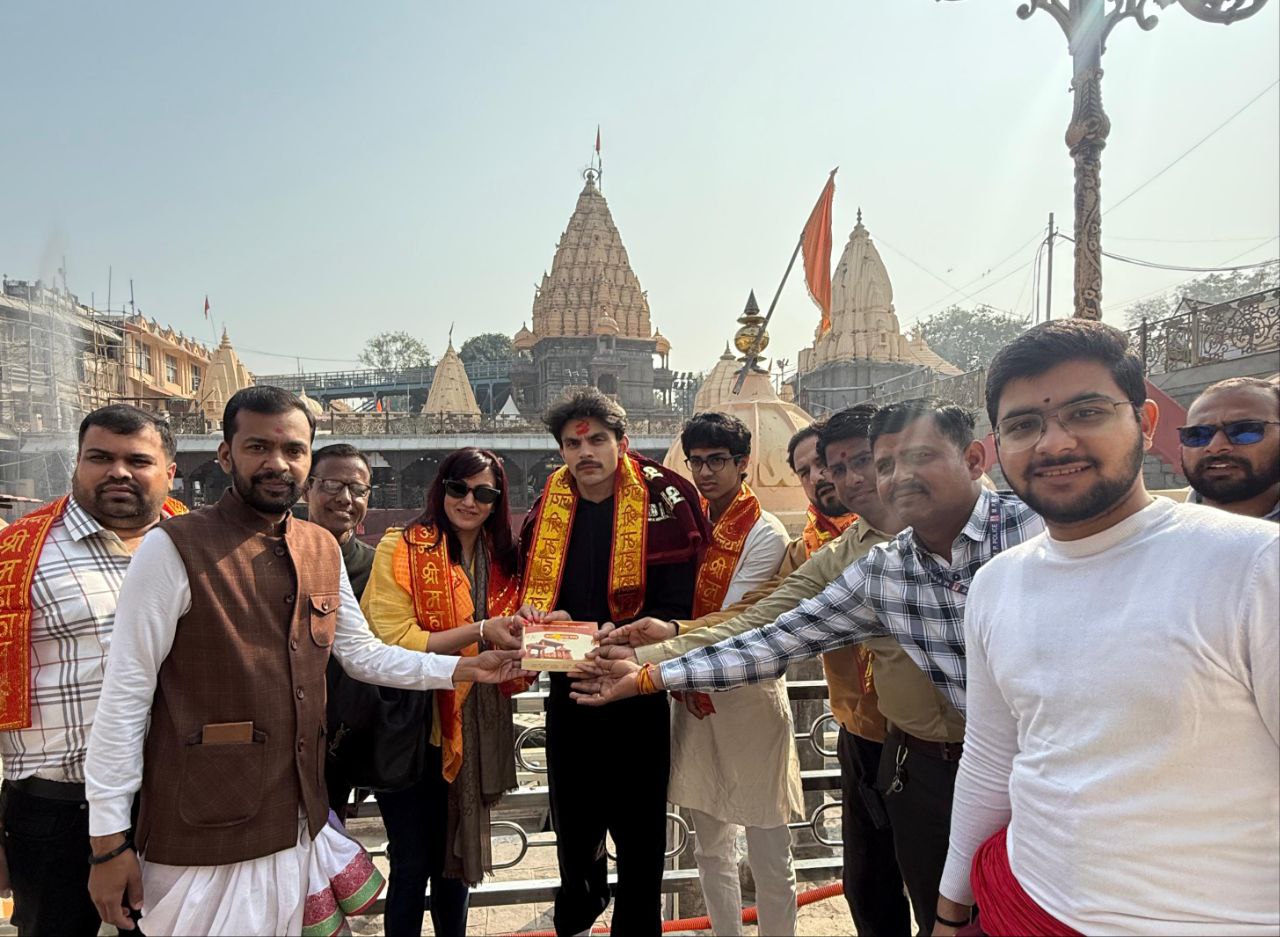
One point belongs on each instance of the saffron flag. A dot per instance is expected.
(815, 244)
(597, 138)
(377, 407)
(206, 306)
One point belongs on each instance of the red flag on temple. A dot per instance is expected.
(206, 307)
(597, 138)
(816, 247)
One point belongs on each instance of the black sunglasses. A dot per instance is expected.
(1239, 432)
(484, 494)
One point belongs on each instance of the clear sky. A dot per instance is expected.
(326, 171)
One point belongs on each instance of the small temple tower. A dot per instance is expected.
(590, 320)
(864, 344)
(772, 422)
(226, 375)
(450, 394)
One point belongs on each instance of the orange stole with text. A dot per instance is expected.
(727, 539)
(545, 566)
(20, 546)
(441, 601)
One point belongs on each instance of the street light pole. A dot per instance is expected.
(1086, 24)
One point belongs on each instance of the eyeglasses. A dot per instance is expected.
(484, 494)
(1239, 432)
(713, 462)
(332, 486)
(1081, 418)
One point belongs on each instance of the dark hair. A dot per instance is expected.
(1240, 383)
(710, 430)
(339, 450)
(457, 466)
(1049, 344)
(954, 422)
(262, 398)
(586, 404)
(850, 423)
(124, 420)
(800, 435)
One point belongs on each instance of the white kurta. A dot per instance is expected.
(258, 896)
(740, 764)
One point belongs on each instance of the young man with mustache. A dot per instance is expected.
(60, 572)
(614, 536)
(911, 588)
(213, 703)
(1231, 447)
(1122, 753)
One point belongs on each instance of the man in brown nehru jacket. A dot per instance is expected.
(213, 704)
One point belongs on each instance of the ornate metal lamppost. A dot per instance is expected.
(1087, 24)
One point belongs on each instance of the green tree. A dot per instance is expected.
(1210, 288)
(969, 338)
(487, 346)
(395, 351)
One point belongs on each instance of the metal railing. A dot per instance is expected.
(1205, 334)
(534, 798)
(377, 377)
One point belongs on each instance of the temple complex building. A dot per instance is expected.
(591, 321)
(864, 344)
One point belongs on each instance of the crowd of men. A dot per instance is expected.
(1052, 721)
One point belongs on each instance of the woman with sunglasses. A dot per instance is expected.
(447, 583)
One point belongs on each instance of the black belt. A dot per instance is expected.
(72, 791)
(943, 751)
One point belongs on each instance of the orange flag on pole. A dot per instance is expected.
(816, 247)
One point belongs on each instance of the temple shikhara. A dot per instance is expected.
(591, 322)
(864, 344)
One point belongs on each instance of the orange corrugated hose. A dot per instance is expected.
(704, 922)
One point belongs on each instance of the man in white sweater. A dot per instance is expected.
(1121, 766)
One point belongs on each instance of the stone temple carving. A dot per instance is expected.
(864, 324)
(590, 320)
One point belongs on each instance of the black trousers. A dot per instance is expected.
(607, 772)
(872, 882)
(417, 821)
(921, 816)
(46, 843)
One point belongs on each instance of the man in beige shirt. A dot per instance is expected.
(926, 728)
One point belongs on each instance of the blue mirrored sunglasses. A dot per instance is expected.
(1239, 432)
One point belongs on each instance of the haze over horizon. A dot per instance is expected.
(324, 172)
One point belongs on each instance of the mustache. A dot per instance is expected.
(133, 487)
(1230, 459)
(285, 477)
(911, 489)
(1055, 462)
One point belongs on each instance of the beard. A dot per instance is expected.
(827, 501)
(252, 492)
(1231, 490)
(1105, 494)
(117, 509)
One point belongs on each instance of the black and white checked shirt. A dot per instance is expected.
(73, 609)
(898, 589)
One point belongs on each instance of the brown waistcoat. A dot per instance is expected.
(252, 648)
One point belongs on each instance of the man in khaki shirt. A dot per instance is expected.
(925, 723)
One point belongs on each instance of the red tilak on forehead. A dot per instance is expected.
(582, 428)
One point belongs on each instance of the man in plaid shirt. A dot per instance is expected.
(124, 467)
(928, 468)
